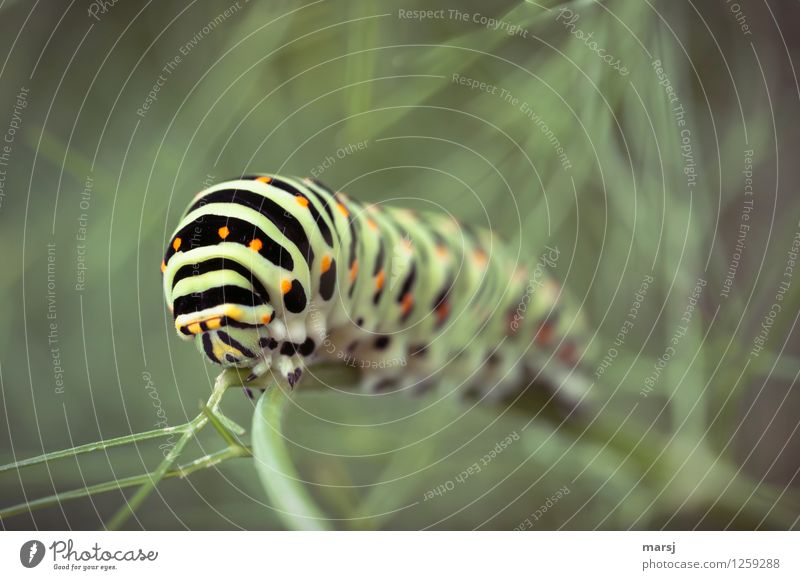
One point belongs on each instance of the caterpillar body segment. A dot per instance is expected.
(268, 272)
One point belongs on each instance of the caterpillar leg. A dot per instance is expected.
(285, 366)
(290, 367)
(260, 369)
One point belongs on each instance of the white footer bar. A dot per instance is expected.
(407, 555)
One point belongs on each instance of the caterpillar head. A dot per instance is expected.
(216, 302)
(234, 275)
(234, 347)
(218, 333)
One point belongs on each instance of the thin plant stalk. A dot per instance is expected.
(205, 462)
(210, 414)
(285, 488)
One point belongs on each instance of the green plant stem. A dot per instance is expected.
(201, 463)
(126, 511)
(213, 404)
(294, 504)
(96, 446)
(383, 500)
(210, 413)
(225, 380)
(284, 486)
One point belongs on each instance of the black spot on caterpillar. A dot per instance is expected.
(407, 295)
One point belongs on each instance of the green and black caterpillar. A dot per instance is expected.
(275, 273)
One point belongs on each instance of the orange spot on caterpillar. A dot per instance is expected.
(213, 323)
(442, 311)
(286, 285)
(223, 232)
(480, 257)
(255, 245)
(372, 225)
(264, 179)
(408, 302)
(163, 266)
(326, 263)
(380, 279)
(441, 250)
(194, 328)
(545, 333)
(354, 271)
(267, 318)
(301, 200)
(344, 211)
(568, 354)
(234, 313)
(176, 244)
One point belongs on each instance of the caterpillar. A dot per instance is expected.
(274, 273)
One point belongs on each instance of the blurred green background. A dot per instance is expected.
(634, 166)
